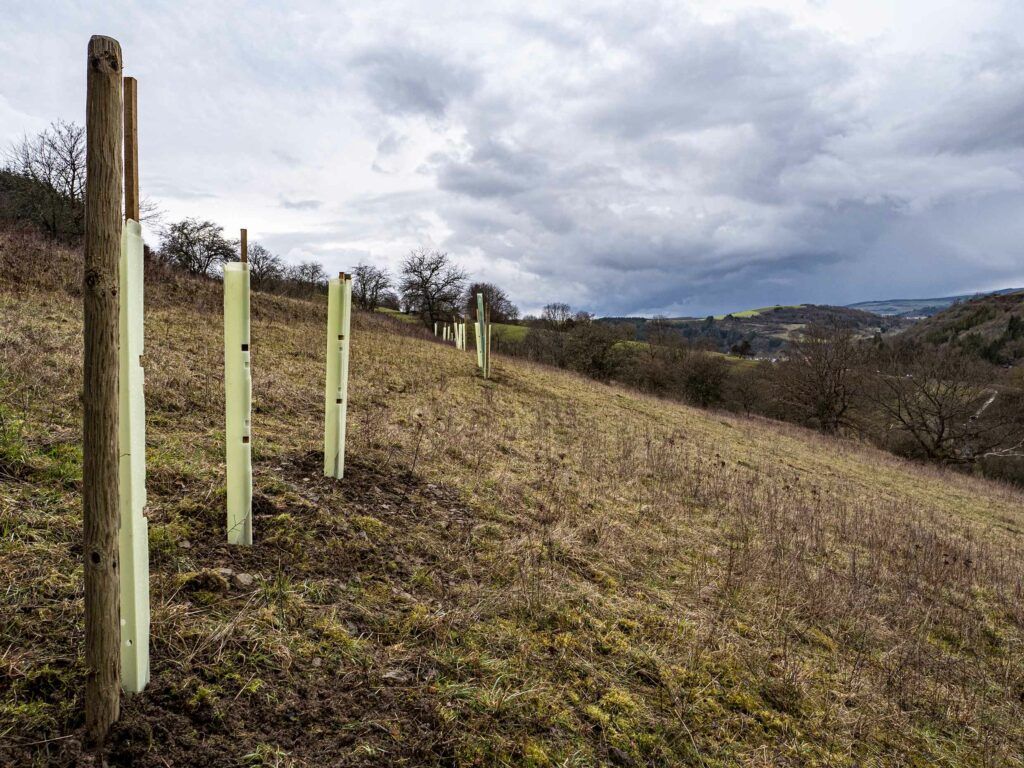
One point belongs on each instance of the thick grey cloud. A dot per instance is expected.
(626, 158)
(301, 205)
(405, 81)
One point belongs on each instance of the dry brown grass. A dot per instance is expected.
(535, 570)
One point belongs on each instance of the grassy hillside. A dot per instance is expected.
(992, 326)
(758, 311)
(535, 570)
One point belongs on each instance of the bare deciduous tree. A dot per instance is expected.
(944, 400)
(592, 349)
(265, 268)
(817, 382)
(51, 166)
(369, 285)
(502, 309)
(556, 316)
(196, 246)
(309, 275)
(431, 285)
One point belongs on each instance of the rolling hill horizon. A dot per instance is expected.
(921, 307)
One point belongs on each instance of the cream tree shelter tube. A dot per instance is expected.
(133, 536)
(339, 323)
(238, 402)
(483, 338)
(479, 346)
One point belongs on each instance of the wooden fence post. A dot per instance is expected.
(133, 538)
(238, 398)
(100, 514)
(131, 149)
(339, 321)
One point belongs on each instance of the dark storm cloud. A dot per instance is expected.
(758, 71)
(981, 111)
(492, 170)
(749, 159)
(404, 81)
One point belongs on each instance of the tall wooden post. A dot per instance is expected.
(131, 150)
(100, 515)
(339, 326)
(238, 399)
(133, 538)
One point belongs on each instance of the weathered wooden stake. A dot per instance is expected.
(133, 538)
(131, 150)
(339, 323)
(238, 398)
(100, 515)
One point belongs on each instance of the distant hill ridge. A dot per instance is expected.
(764, 331)
(922, 307)
(991, 325)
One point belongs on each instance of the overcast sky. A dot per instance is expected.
(632, 158)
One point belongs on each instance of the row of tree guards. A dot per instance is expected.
(116, 534)
(455, 332)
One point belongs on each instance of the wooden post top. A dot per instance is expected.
(244, 247)
(104, 55)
